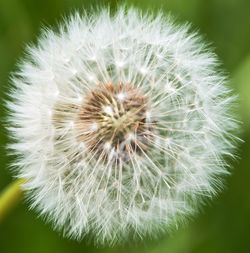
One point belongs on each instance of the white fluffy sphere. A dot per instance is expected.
(121, 124)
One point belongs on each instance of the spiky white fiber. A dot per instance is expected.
(100, 193)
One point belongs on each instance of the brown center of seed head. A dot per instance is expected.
(113, 121)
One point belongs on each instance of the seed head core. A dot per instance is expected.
(113, 121)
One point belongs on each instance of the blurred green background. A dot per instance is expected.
(224, 225)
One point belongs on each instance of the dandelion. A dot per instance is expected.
(121, 124)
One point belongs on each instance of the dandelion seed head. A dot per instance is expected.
(121, 124)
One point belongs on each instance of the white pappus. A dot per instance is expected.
(121, 124)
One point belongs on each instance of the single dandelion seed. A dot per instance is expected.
(127, 131)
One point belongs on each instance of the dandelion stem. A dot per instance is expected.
(10, 196)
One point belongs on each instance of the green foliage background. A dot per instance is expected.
(224, 225)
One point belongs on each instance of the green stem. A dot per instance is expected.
(10, 196)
